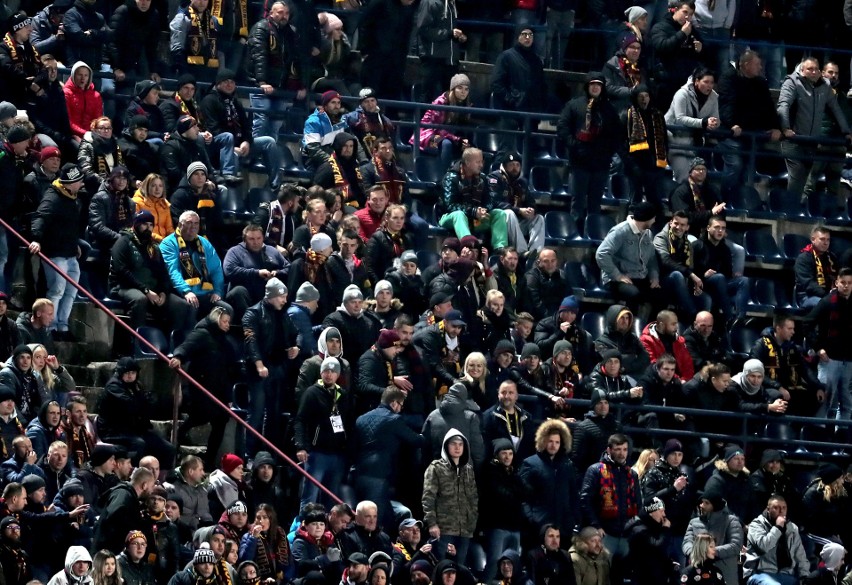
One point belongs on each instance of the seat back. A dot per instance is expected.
(155, 337)
(560, 224)
(594, 324)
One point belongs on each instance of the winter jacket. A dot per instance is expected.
(356, 538)
(135, 33)
(430, 136)
(49, 112)
(763, 484)
(44, 37)
(822, 517)
(206, 202)
(381, 436)
(550, 567)
(89, 48)
(648, 542)
(273, 52)
(450, 498)
(746, 102)
(125, 408)
(136, 573)
(588, 570)
(261, 343)
(318, 136)
(358, 333)
(17, 74)
(434, 24)
(623, 252)
(659, 483)
(454, 412)
(55, 225)
(495, 427)
(159, 208)
(590, 438)
(211, 356)
(501, 488)
(30, 392)
(170, 249)
(103, 231)
(196, 508)
(544, 292)
(762, 544)
(312, 424)
(140, 158)
(634, 358)
(590, 144)
(802, 105)
(214, 109)
(73, 555)
(683, 199)
(120, 514)
(655, 347)
(241, 267)
(728, 533)
(552, 490)
(685, 111)
(517, 81)
(132, 268)
(674, 51)
(41, 435)
(15, 470)
(153, 114)
(627, 498)
(805, 270)
(309, 373)
(380, 254)
(176, 155)
(618, 87)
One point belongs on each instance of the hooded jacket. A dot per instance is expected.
(591, 145)
(519, 576)
(648, 542)
(84, 105)
(728, 533)
(588, 570)
(351, 175)
(121, 513)
(456, 411)
(634, 358)
(552, 489)
(654, 346)
(450, 498)
(266, 492)
(41, 435)
(802, 105)
(736, 489)
(434, 23)
(74, 554)
(309, 373)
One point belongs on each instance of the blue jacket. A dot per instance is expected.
(169, 249)
(80, 46)
(624, 252)
(380, 435)
(241, 268)
(319, 133)
(307, 332)
(41, 437)
(551, 486)
(590, 496)
(14, 470)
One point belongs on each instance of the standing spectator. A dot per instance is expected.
(440, 42)
(676, 46)
(696, 107)
(647, 142)
(194, 41)
(133, 47)
(358, 328)
(133, 560)
(56, 226)
(19, 61)
(97, 475)
(121, 515)
(455, 411)
(648, 535)
(560, 23)
(385, 26)
(771, 479)
(501, 488)
(590, 128)
(714, 518)
(720, 265)
(624, 72)
(87, 36)
(715, 21)
(592, 433)
(668, 483)
(546, 286)
(48, 110)
(48, 36)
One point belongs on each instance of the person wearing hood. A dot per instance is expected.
(450, 497)
(323, 422)
(456, 410)
(730, 479)
(648, 536)
(774, 550)
(264, 482)
(470, 205)
(511, 193)
(78, 566)
(548, 562)
(677, 46)
(592, 433)
(756, 394)
(182, 149)
(341, 171)
(358, 328)
(769, 479)
(139, 154)
(124, 415)
(202, 570)
(510, 571)
(619, 334)
(623, 73)
(121, 515)
(145, 103)
(517, 83)
(804, 100)
(19, 61)
(832, 560)
(590, 559)
(215, 364)
(714, 518)
(367, 124)
(551, 479)
(695, 107)
(501, 488)
(647, 141)
(668, 482)
(70, 497)
(329, 344)
(590, 128)
(18, 375)
(45, 429)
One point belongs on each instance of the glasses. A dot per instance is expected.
(103, 128)
(528, 35)
(13, 528)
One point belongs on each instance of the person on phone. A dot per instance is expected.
(667, 481)
(774, 550)
(648, 535)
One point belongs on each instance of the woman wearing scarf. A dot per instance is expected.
(111, 210)
(623, 73)
(99, 153)
(266, 544)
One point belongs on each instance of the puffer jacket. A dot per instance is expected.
(434, 117)
(102, 232)
(659, 483)
(802, 105)
(84, 105)
(588, 570)
(450, 497)
(159, 208)
(271, 61)
(652, 343)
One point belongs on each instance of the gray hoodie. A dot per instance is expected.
(67, 577)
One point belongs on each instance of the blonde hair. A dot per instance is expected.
(833, 490)
(700, 547)
(643, 464)
(476, 356)
(390, 209)
(46, 372)
(146, 183)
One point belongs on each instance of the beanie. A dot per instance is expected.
(529, 350)
(421, 565)
(654, 505)
(453, 244)
(139, 122)
(644, 211)
(732, 451)
(195, 167)
(320, 242)
(503, 346)
(158, 491)
(274, 288)
(382, 285)
(597, 397)
(7, 110)
(70, 173)
(21, 350)
(697, 162)
(7, 393)
(144, 87)
(562, 345)
(331, 364)
(753, 366)
(409, 256)
(634, 13)
(238, 507)
(771, 455)
(48, 152)
(367, 93)
(230, 462)
(133, 535)
(459, 79)
(328, 96)
(186, 79)
(32, 482)
(18, 134)
(569, 304)
(715, 497)
(184, 123)
(307, 293)
(143, 216)
(19, 21)
(628, 40)
(352, 292)
(610, 354)
(388, 338)
(204, 555)
(672, 446)
(174, 497)
(471, 243)
(101, 454)
(829, 473)
(225, 75)
(126, 364)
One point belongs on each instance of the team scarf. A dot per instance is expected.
(216, 10)
(221, 575)
(272, 554)
(631, 71)
(313, 261)
(372, 130)
(20, 559)
(150, 248)
(610, 504)
(192, 275)
(201, 37)
(697, 200)
(397, 241)
(102, 147)
(772, 362)
(342, 182)
(80, 442)
(185, 110)
(275, 227)
(821, 276)
(638, 134)
(516, 192)
(18, 59)
(680, 246)
(390, 180)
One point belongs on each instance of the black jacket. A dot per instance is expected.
(12, 172)
(373, 378)
(175, 156)
(502, 491)
(516, 296)
(545, 292)
(272, 65)
(16, 74)
(358, 334)
(381, 437)
(552, 487)
(591, 148)
(634, 358)
(517, 81)
(806, 274)
(120, 514)
(312, 425)
(56, 225)
(261, 342)
(385, 26)
(140, 158)
(746, 102)
(79, 46)
(674, 51)
(214, 109)
(590, 438)
(495, 426)
(131, 267)
(548, 331)
(431, 343)
(713, 349)
(185, 198)
(104, 225)
(124, 409)
(357, 539)
(659, 483)
(135, 33)
(648, 557)
(49, 112)
(380, 254)
(211, 356)
(736, 489)
(682, 200)
(172, 112)
(156, 121)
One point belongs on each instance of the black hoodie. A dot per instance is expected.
(591, 143)
(634, 358)
(324, 177)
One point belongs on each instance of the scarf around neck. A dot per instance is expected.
(192, 275)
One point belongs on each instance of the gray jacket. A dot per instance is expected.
(802, 105)
(763, 537)
(728, 532)
(685, 111)
(623, 252)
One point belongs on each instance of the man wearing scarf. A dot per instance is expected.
(697, 197)
(111, 211)
(13, 558)
(183, 103)
(202, 571)
(341, 171)
(647, 145)
(312, 268)
(79, 437)
(194, 267)
(19, 61)
(194, 40)
(816, 268)
(368, 124)
(511, 193)
(676, 267)
(280, 218)
(139, 278)
(774, 550)
(382, 169)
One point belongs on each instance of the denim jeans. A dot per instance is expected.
(498, 540)
(677, 285)
(773, 579)
(265, 402)
(59, 291)
(587, 189)
(265, 145)
(721, 289)
(837, 377)
(262, 124)
(227, 157)
(328, 469)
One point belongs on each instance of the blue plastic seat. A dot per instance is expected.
(789, 205)
(763, 297)
(793, 244)
(598, 226)
(559, 228)
(594, 324)
(761, 246)
(155, 337)
(547, 181)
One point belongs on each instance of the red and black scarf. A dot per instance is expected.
(610, 504)
(826, 272)
(390, 179)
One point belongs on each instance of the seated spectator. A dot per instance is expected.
(19, 61)
(150, 196)
(181, 150)
(47, 108)
(695, 106)
(15, 560)
(315, 220)
(80, 432)
(676, 45)
(449, 145)
(549, 562)
(619, 334)
(99, 154)
(34, 326)
(757, 394)
(702, 561)
(58, 383)
(710, 390)
(546, 286)
(18, 374)
(139, 154)
(110, 212)
(661, 387)
(648, 536)
(623, 73)
(183, 103)
(510, 192)
(370, 216)
(607, 377)
(730, 480)
(227, 486)
(697, 197)
(770, 479)
(593, 431)
(248, 266)
(661, 336)
(266, 543)
(78, 568)
(229, 123)
(22, 461)
(341, 171)
(12, 424)
(564, 325)
(769, 559)
(368, 125)
(388, 243)
(590, 559)
(407, 284)
(816, 268)
(194, 40)
(195, 508)
(280, 218)
(44, 429)
(562, 378)
(321, 130)
(198, 194)
(83, 100)
(720, 265)
(133, 561)
(146, 103)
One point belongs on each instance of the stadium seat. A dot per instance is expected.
(583, 279)
(547, 182)
(761, 247)
(177, 337)
(429, 172)
(155, 337)
(598, 226)
(746, 201)
(258, 195)
(788, 205)
(594, 324)
(559, 228)
(763, 298)
(793, 244)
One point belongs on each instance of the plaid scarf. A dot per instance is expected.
(192, 275)
(638, 134)
(610, 504)
(823, 276)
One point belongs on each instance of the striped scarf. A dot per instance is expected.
(823, 276)
(192, 275)
(610, 504)
(272, 555)
(638, 134)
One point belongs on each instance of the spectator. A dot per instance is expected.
(384, 27)
(183, 103)
(369, 125)
(676, 46)
(590, 559)
(83, 101)
(507, 420)
(623, 73)
(87, 36)
(822, 504)
(334, 63)
(195, 508)
(774, 550)
(674, 251)
(150, 196)
(195, 191)
(376, 371)
(648, 535)
(548, 562)
(702, 562)
(720, 264)
(501, 488)
(771, 479)
(300, 311)
(715, 22)
(78, 568)
(447, 144)
(44, 429)
(546, 286)
(510, 281)
(661, 387)
(661, 337)
(120, 519)
(111, 211)
(133, 562)
(58, 383)
(19, 61)
(18, 374)
(316, 219)
(715, 519)
(80, 432)
(592, 433)
(280, 218)
(371, 215)
(329, 344)
(46, 37)
(387, 243)
(99, 154)
(266, 543)
(730, 479)
(697, 197)
(97, 475)
(181, 150)
(21, 462)
(226, 119)
(510, 192)
(340, 171)
(48, 110)
(696, 107)
(442, 347)
(364, 536)
(358, 328)
(668, 482)
(607, 378)
(440, 42)
(15, 560)
(249, 266)
(227, 488)
(133, 50)
(592, 132)
(139, 155)
(619, 334)
(203, 567)
(709, 390)
(194, 42)
(145, 103)
(321, 130)
(647, 141)
(816, 268)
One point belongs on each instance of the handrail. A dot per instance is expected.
(180, 371)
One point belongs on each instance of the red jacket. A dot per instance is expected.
(655, 348)
(369, 222)
(83, 106)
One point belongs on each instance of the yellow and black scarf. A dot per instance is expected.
(695, 189)
(680, 248)
(201, 39)
(195, 112)
(216, 10)
(342, 183)
(62, 190)
(631, 71)
(18, 60)
(638, 134)
(192, 276)
(824, 274)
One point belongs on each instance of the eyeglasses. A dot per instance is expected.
(13, 528)
(103, 128)
(528, 35)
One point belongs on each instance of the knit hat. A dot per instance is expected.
(461, 270)
(597, 397)
(503, 346)
(421, 565)
(225, 75)
(126, 364)
(313, 515)
(672, 446)
(32, 482)
(184, 123)
(7, 110)
(770, 455)
(238, 507)
(388, 338)
(513, 157)
(455, 318)
(20, 350)
(194, 167)
(19, 21)
(101, 453)
(7, 393)
(459, 79)
(569, 304)
(643, 211)
(560, 346)
(173, 497)
(204, 555)
(439, 298)
(382, 285)
(452, 243)
(230, 462)
(829, 473)
(697, 162)
(72, 487)
(133, 535)
(634, 13)
(144, 87)
(470, 242)
(628, 40)
(610, 354)
(274, 288)
(529, 350)
(320, 242)
(331, 364)
(70, 174)
(328, 96)
(117, 172)
(352, 292)
(139, 122)
(4, 297)
(48, 152)
(333, 333)
(409, 256)
(186, 79)
(121, 452)
(307, 293)
(367, 93)
(654, 505)
(714, 496)
(753, 366)
(732, 451)
(18, 134)
(329, 22)
(143, 216)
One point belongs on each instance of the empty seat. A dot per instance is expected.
(594, 324)
(155, 337)
(743, 335)
(559, 227)
(258, 195)
(763, 296)
(746, 200)
(177, 337)
(788, 204)
(761, 246)
(584, 279)
(547, 181)
(793, 244)
(827, 206)
(486, 140)
(598, 225)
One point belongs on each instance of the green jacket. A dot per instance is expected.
(450, 499)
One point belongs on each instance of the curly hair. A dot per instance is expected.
(553, 427)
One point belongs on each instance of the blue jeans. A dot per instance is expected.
(446, 150)
(265, 145)
(809, 302)
(261, 124)
(721, 289)
(265, 404)
(498, 540)
(59, 291)
(678, 286)
(462, 543)
(773, 579)
(837, 377)
(328, 469)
